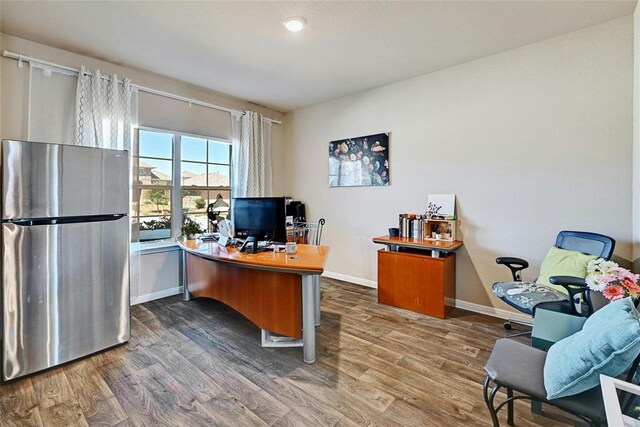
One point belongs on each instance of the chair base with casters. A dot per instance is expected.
(516, 367)
(508, 325)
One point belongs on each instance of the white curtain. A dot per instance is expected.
(103, 111)
(52, 94)
(251, 155)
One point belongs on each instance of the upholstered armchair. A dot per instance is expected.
(568, 375)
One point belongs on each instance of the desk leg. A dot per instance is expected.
(316, 289)
(536, 407)
(308, 319)
(186, 296)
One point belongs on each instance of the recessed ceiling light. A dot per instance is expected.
(294, 24)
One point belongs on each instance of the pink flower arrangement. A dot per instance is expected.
(612, 280)
(613, 292)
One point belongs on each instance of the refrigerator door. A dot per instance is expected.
(65, 292)
(52, 180)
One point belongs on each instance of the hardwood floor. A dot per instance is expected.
(201, 363)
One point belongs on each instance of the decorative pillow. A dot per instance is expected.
(607, 344)
(561, 262)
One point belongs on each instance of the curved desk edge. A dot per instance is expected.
(282, 263)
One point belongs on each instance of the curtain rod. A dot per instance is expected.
(191, 101)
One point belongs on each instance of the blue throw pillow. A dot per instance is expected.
(607, 344)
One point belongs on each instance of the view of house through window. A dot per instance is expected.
(204, 186)
(205, 172)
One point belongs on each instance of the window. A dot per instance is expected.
(204, 168)
(205, 171)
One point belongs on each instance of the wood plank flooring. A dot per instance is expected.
(200, 363)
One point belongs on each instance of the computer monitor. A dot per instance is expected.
(260, 217)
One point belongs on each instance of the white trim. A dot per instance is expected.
(156, 295)
(469, 306)
(351, 279)
(610, 387)
(176, 186)
(492, 311)
(192, 135)
(144, 248)
(177, 215)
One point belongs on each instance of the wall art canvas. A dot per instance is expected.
(358, 162)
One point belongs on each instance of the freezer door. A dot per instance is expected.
(65, 292)
(52, 180)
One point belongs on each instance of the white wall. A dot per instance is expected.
(532, 141)
(155, 274)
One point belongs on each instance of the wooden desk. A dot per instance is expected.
(279, 293)
(417, 275)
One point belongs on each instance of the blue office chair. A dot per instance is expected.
(528, 296)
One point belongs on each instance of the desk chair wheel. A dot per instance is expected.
(507, 325)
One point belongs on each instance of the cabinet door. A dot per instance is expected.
(412, 281)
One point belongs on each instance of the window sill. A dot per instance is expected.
(143, 248)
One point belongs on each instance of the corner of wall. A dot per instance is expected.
(635, 192)
(0, 79)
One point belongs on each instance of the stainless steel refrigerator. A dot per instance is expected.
(65, 254)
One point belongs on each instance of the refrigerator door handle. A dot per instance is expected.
(63, 220)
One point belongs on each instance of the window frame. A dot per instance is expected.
(176, 187)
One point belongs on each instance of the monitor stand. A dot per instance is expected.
(250, 245)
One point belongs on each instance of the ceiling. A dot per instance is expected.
(241, 48)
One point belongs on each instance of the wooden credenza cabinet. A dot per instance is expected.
(416, 275)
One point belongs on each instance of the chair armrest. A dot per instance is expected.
(575, 286)
(568, 281)
(516, 265)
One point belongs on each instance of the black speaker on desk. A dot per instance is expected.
(296, 210)
(300, 213)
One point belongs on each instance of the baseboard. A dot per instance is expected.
(469, 306)
(351, 279)
(492, 311)
(156, 295)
